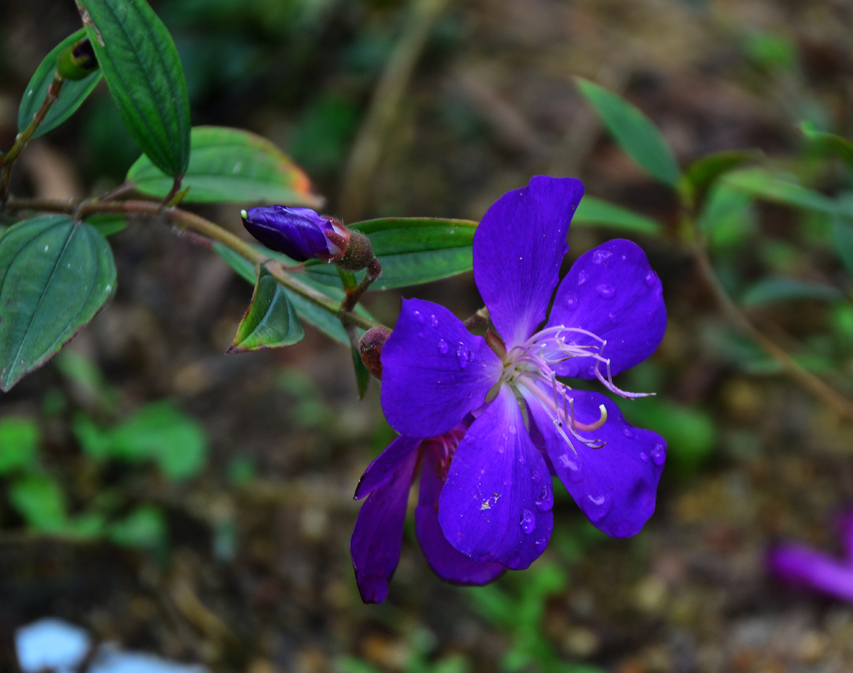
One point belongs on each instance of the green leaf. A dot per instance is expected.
(703, 173)
(595, 212)
(775, 290)
(145, 527)
(40, 500)
(144, 73)
(231, 165)
(727, 217)
(780, 189)
(55, 275)
(270, 321)
(362, 376)
(834, 143)
(842, 236)
(640, 139)
(412, 251)
(71, 95)
(19, 440)
(108, 223)
(163, 433)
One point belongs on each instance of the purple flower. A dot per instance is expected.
(803, 566)
(299, 233)
(378, 534)
(607, 315)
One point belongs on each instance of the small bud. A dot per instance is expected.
(77, 61)
(359, 254)
(370, 348)
(299, 233)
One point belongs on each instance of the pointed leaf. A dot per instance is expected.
(41, 501)
(640, 139)
(55, 275)
(776, 290)
(595, 212)
(362, 376)
(412, 250)
(701, 174)
(143, 71)
(835, 143)
(780, 189)
(270, 321)
(231, 165)
(71, 95)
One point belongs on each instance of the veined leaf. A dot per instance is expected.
(231, 165)
(595, 212)
(640, 139)
(778, 189)
(270, 321)
(143, 71)
(55, 275)
(775, 290)
(412, 251)
(71, 95)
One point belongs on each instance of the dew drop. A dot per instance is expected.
(528, 522)
(583, 276)
(513, 431)
(659, 454)
(433, 321)
(419, 317)
(46, 248)
(420, 335)
(535, 474)
(651, 278)
(573, 468)
(628, 433)
(601, 256)
(606, 291)
(544, 501)
(442, 347)
(644, 456)
(572, 302)
(614, 319)
(598, 506)
(463, 356)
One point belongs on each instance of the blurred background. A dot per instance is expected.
(176, 500)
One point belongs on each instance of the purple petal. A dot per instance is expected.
(615, 485)
(496, 504)
(300, 233)
(378, 533)
(802, 566)
(434, 371)
(612, 292)
(518, 248)
(386, 465)
(448, 563)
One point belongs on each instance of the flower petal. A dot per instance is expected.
(518, 248)
(616, 485)
(378, 534)
(807, 567)
(446, 562)
(488, 508)
(612, 292)
(434, 371)
(386, 465)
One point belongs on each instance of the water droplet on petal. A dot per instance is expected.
(419, 317)
(573, 468)
(572, 302)
(601, 256)
(651, 278)
(433, 321)
(420, 335)
(598, 506)
(659, 454)
(613, 318)
(644, 456)
(536, 476)
(528, 521)
(606, 291)
(628, 433)
(544, 501)
(512, 430)
(463, 355)
(583, 276)
(442, 347)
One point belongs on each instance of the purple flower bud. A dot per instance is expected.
(300, 233)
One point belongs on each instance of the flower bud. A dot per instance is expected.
(370, 348)
(299, 233)
(77, 61)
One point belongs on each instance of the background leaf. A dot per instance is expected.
(40, 500)
(640, 139)
(595, 212)
(777, 188)
(702, 173)
(270, 321)
(55, 275)
(71, 95)
(143, 71)
(834, 143)
(19, 439)
(412, 251)
(775, 290)
(231, 165)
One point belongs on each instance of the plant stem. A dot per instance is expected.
(198, 225)
(23, 138)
